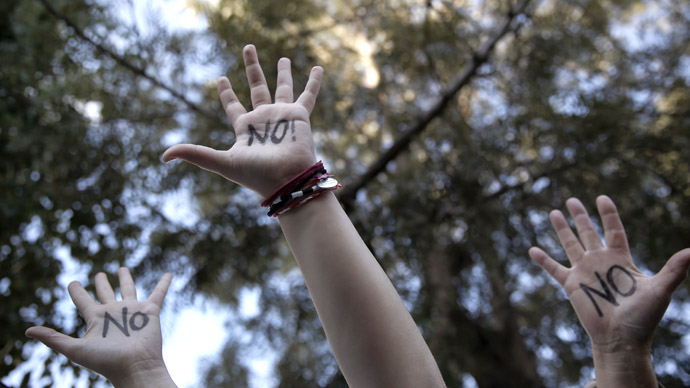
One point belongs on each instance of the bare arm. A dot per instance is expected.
(375, 340)
(373, 336)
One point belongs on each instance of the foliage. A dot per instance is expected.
(585, 97)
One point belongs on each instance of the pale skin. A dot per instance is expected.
(372, 335)
(620, 324)
(134, 360)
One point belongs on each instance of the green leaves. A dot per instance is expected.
(563, 107)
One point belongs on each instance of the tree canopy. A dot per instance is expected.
(455, 126)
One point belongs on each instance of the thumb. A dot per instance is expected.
(201, 156)
(57, 341)
(675, 270)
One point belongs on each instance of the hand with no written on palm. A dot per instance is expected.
(274, 140)
(123, 338)
(617, 305)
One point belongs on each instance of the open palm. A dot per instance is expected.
(616, 304)
(122, 337)
(274, 140)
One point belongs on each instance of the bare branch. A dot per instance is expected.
(480, 57)
(520, 186)
(123, 62)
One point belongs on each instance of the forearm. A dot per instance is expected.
(373, 336)
(623, 367)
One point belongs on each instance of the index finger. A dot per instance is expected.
(231, 104)
(79, 296)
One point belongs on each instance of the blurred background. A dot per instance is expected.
(454, 125)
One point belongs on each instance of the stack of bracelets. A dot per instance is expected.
(301, 189)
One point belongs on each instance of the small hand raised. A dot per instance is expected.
(122, 339)
(274, 140)
(616, 304)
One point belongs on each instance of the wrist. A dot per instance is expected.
(314, 212)
(309, 184)
(153, 375)
(276, 178)
(623, 365)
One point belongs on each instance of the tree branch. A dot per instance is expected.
(641, 165)
(123, 62)
(521, 185)
(480, 57)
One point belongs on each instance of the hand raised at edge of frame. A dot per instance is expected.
(618, 306)
(274, 141)
(123, 338)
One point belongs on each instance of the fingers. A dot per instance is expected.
(127, 288)
(551, 266)
(674, 271)
(158, 294)
(260, 95)
(201, 156)
(614, 233)
(257, 82)
(311, 91)
(104, 290)
(284, 82)
(585, 229)
(57, 341)
(568, 240)
(79, 296)
(231, 104)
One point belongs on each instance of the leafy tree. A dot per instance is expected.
(455, 126)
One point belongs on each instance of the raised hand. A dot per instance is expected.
(274, 140)
(123, 338)
(618, 306)
(373, 336)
